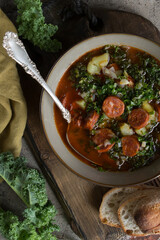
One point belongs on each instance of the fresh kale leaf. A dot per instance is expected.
(9, 225)
(32, 26)
(40, 216)
(29, 185)
(26, 182)
(37, 224)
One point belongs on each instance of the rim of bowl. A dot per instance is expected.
(43, 125)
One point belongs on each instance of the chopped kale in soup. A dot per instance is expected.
(113, 95)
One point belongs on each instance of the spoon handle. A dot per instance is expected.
(17, 51)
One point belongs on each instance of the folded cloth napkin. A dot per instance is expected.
(13, 111)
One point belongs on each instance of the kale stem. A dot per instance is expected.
(27, 204)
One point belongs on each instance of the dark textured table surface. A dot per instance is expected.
(148, 9)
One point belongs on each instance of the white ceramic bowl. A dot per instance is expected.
(47, 115)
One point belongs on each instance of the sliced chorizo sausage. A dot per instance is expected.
(138, 118)
(91, 120)
(101, 139)
(113, 107)
(130, 146)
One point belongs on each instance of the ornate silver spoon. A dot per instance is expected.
(17, 51)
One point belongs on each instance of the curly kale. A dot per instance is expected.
(26, 182)
(40, 216)
(29, 185)
(9, 225)
(37, 224)
(32, 26)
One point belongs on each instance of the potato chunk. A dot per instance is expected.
(97, 63)
(147, 107)
(126, 130)
(143, 131)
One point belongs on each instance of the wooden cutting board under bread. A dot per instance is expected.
(81, 199)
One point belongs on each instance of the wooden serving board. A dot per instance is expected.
(80, 198)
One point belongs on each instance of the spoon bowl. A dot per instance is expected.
(82, 142)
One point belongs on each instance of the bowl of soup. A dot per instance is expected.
(111, 86)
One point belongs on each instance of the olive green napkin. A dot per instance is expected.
(13, 112)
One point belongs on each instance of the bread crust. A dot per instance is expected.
(102, 218)
(144, 214)
(141, 195)
(147, 213)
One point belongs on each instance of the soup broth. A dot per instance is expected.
(113, 95)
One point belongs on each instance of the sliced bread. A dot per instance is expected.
(126, 218)
(130, 209)
(110, 204)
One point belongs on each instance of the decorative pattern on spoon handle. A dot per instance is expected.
(12, 43)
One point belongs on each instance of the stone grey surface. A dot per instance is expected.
(149, 9)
